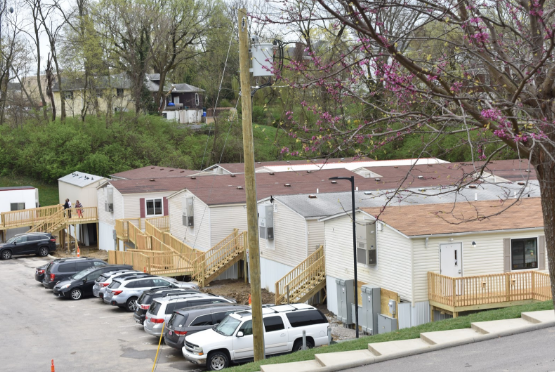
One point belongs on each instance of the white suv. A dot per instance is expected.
(232, 340)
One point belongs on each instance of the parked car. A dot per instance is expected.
(105, 279)
(185, 322)
(144, 301)
(161, 309)
(59, 270)
(81, 284)
(40, 244)
(39, 273)
(231, 340)
(124, 293)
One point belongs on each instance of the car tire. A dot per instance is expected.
(6, 254)
(76, 294)
(43, 252)
(217, 361)
(298, 345)
(131, 304)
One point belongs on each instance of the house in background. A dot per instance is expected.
(12, 199)
(151, 171)
(408, 246)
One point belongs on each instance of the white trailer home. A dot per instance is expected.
(14, 199)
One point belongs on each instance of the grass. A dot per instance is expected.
(404, 334)
(48, 193)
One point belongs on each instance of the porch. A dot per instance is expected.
(468, 293)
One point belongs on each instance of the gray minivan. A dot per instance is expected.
(185, 322)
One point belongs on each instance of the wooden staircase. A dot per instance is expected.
(304, 281)
(214, 262)
(27, 217)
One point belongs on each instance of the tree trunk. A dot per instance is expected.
(545, 170)
(62, 101)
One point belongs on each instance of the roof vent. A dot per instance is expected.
(472, 186)
(152, 180)
(368, 193)
(527, 170)
(378, 179)
(182, 172)
(334, 182)
(308, 171)
(161, 168)
(258, 162)
(151, 167)
(271, 173)
(171, 170)
(420, 177)
(395, 166)
(421, 190)
(239, 187)
(288, 161)
(522, 183)
(312, 196)
(287, 185)
(342, 159)
(193, 178)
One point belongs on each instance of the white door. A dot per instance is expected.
(275, 335)
(451, 263)
(242, 346)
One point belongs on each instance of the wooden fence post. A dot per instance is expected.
(533, 280)
(508, 287)
(454, 291)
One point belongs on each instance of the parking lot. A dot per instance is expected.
(84, 335)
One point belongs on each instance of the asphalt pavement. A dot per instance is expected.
(531, 352)
(84, 335)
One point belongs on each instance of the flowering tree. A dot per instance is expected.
(481, 69)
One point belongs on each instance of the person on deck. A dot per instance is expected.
(79, 208)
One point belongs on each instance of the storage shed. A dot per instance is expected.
(79, 186)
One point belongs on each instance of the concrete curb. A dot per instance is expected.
(378, 359)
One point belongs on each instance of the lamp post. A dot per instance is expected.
(352, 179)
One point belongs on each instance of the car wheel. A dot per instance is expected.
(6, 255)
(131, 304)
(298, 345)
(76, 294)
(217, 361)
(43, 252)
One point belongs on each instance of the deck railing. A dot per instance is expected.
(312, 267)
(27, 217)
(81, 215)
(184, 249)
(209, 261)
(50, 224)
(122, 227)
(151, 229)
(162, 223)
(474, 291)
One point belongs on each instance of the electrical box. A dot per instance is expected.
(371, 307)
(386, 324)
(366, 243)
(109, 199)
(266, 221)
(345, 297)
(188, 212)
(392, 307)
(262, 59)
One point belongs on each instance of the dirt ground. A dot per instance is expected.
(238, 290)
(92, 252)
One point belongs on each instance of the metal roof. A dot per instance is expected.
(80, 179)
(17, 188)
(329, 204)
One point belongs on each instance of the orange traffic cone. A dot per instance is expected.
(78, 252)
(250, 302)
(52, 366)
(145, 269)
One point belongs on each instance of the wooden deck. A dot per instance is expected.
(469, 293)
(27, 217)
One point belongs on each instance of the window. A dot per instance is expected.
(246, 328)
(119, 92)
(83, 265)
(21, 239)
(524, 254)
(31, 238)
(178, 320)
(197, 99)
(154, 207)
(67, 268)
(114, 285)
(218, 317)
(99, 93)
(154, 307)
(98, 263)
(160, 283)
(93, 276)
(68, 95)
(273, 323)
(306, 318)
(203, 320)
(17, 206)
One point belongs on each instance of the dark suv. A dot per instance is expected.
(143, 303)
(59, 270)
(29, 243)
(81, 284)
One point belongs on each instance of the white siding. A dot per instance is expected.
(316, 236)
(86, 195)
(331, 291)
(131, 203)
(289, 246)
(486, 258)
(393, 270)
(271, 272)
(197, 236)
(106, 236)
(103, 216)
(226, 218)
(26, 196)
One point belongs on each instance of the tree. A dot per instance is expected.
(491, 76)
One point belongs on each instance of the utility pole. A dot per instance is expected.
(250, 187)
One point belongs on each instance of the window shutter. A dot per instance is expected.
(142, 206)
(507, 254)
(166, 208)
(541, 252)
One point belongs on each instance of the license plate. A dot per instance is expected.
(170, 333)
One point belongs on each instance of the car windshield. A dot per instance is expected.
(227, 326)
(82, 274)
(178, 320)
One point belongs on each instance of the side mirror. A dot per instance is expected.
(14, 243)
(84, 280)
(240, 334)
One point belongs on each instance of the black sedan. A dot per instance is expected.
(81, 284)
(39, 273)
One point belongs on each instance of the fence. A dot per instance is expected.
(27, 217)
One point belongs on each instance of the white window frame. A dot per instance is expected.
(154, 201)
(197, 99)
(537, 253)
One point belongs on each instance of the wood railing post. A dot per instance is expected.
(533, 284)
(454, 291)
(508, 287)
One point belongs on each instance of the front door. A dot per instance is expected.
(451, 264)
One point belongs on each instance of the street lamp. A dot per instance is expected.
(352, 179)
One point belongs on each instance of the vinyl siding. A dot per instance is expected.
(316, 236)
(197, 236)
(486, 258)
(289, 246)
(394, 267)
(226, 218)
(103, 216)
(271, 272)
(131, 203)
(86, 195)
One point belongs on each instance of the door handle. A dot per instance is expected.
(282, 335)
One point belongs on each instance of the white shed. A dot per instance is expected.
(79, 186)
(17, 198)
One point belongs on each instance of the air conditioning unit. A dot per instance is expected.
(191, 221)
(188, 218)
(109, 207)
(266, 221)
(366, 244)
